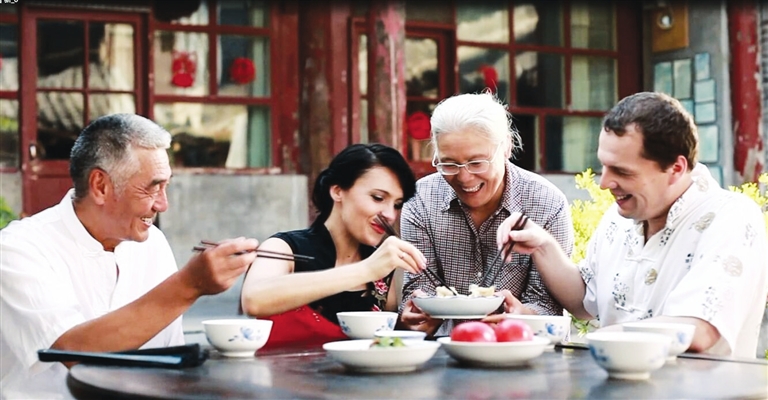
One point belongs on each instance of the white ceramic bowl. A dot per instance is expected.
(237, 337)
(363, 324)
(629, 355)
(458, 307)
(359, 356)
(404, 334)
(494, 354)
(551, 327)
(681, 334)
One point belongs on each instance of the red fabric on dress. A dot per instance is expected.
(302, 327)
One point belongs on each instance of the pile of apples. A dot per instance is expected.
(508, 330)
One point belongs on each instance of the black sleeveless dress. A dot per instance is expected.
(316, 241)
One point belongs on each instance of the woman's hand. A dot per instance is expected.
(416, 319)
(395, 253)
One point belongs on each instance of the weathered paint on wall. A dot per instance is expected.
(749, 156)
(387, 54)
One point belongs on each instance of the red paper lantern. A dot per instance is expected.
(242, 70)
(183, 68)
(490, 77)
(418, 125)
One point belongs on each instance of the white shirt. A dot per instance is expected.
(709, 262)
(53, 276)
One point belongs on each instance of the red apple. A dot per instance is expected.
(474, 331)
(511, 330)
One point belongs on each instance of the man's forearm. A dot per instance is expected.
(561, 277)
(132, 325)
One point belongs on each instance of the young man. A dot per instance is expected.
(93, 273)
(454, 215)
(675, 247)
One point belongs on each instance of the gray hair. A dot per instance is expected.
(482, 112)
(107, 143)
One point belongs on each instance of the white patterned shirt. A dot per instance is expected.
(709, 262)
(53, 276)
(436, 222)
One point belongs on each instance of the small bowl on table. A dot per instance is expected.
(494, 354)
(681, 334)
(363, 324)
(237, 337)
(551, 327)
(458, 307)
(629, 355)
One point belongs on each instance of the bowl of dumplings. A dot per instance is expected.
(448, 303)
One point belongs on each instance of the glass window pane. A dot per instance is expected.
(482, 21)
(182, 12)
(105, 104)
(362, 64)
(593, 83)
(481, 68)
(110, 56)
(243, 66)
(60, 54)
(181, 63)
(9, 8)
(9, 133)
(592, 25)
(9, 50)
(528, 128)
(205, 135)
(253, 13)
(571, 143)
(421, 75)
(417, 127)
(539, 23)
(427, 12)
(363, 120)
(539, 79)
(59, 121)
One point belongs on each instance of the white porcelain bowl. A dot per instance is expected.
(359, 356)
(404, 334)
(458, 307)
(629, 355)
(363, 324)
(551, 327)
(237, 337)
(494, 354)
(681, 334)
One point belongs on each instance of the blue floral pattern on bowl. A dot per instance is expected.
(246, 335)
(390, 323)
(682, 338)
(344, 327)
(598, 354)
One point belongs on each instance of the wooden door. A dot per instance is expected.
(77, 65)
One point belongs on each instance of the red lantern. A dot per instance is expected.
(418, 125)
(242, 71)
(490, 77)
(183, 68)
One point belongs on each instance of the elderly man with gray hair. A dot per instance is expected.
(93, 273)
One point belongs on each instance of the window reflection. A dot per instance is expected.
(252, 13)
(539, 79)
(204, 135)
(593, 83)
(9, 133)
(421, 76)
(110, 56)
(572, 143)
(482, 21)
(59, 122)
(60, 54)
(539, 23)
(481, 68)
(592, 25)
(9, 49)
(181, 58)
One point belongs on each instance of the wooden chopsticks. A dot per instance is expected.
(390, 231)
(205, 244)
(519, 224)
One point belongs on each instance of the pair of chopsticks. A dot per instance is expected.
(519, 224)
(205, 244)
(390, 231)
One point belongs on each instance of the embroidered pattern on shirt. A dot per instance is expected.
(688, 261)
(712, 303)
(651, 276)
(665, 235)
(620, 290)
(586, 273)
(732, 266)
(750, 234)
(648, 314)
(610, 233)
(704, 222)
(702, 185)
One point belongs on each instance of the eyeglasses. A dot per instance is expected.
(473, 167)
